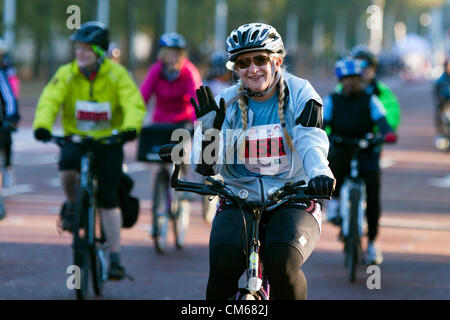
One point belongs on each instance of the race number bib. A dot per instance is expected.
(265, 152)
(93, 116)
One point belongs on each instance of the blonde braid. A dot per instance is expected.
(243, 108)
(281, 101)
(244, 119)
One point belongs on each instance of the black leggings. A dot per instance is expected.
(288, 238)
(108, 166)
(339, 159)
(281, 265)
(6, 144)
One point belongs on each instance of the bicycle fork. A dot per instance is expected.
(254, 279)
(350, 185)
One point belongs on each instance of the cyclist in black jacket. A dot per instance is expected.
(9, 86)
(353, 113)
(442, 95)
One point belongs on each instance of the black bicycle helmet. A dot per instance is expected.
(92, 32)
(252, 37)
(362, 52)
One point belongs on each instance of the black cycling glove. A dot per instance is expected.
(42, 134)
(322, 185)
(129, 135)
(207, 104)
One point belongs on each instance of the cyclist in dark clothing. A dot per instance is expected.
(9, 117)
(9, 88)
(377, 87)
(353, 113)
(442, 95)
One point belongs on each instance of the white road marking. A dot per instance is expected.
(17, 189)
(54, 182)
(411, 224)
(440, 182)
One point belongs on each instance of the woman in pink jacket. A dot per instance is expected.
(173, 80)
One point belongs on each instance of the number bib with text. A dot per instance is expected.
(93, 116)
(265, 152)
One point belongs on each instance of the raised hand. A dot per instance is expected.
(207, 104)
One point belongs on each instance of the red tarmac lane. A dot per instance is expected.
(414, 233)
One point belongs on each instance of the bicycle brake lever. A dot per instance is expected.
(174, 178)
(214, 181)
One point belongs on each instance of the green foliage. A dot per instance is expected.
(42, 20)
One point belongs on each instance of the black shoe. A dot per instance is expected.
(66, 217)
(116, 272)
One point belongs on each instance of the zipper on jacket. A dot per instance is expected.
(261, 188)
(91, 90)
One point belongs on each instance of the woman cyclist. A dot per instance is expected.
(96, 96)
(273, 108)
(353, 113)
(173, 80)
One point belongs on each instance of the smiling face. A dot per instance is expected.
(85, 56)
(258, 76)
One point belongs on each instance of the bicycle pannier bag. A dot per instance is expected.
(129, 205)
(152, 138)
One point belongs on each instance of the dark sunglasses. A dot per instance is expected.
(259, 61)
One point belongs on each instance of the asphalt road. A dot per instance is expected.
(414, 235)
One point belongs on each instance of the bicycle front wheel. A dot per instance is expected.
(353, 240)
(80, 243)
(181, 222)
(99, 273)
(161, 210)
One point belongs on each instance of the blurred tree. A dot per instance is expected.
(43, 21)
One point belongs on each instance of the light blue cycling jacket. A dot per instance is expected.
(307, 160)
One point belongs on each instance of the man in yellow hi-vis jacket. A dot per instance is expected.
(96, 96)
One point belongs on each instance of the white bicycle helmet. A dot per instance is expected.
(252, 37)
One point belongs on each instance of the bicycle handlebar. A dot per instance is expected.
(362, 143)
(88, 141)
(289, 192)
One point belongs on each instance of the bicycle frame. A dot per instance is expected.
(88, 182)
(352, 200)
(168, 207)
(288, 193)
(85, 244)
